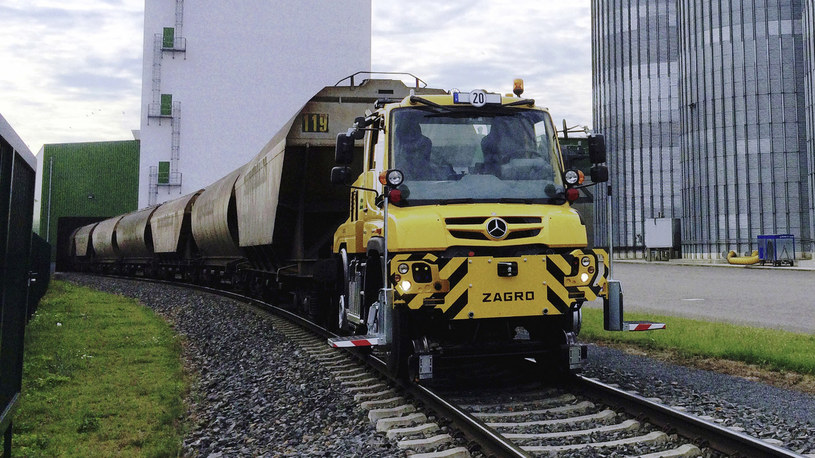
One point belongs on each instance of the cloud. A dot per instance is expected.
(66, 60)
(484, 44)
(63, 62)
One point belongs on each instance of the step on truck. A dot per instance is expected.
(461, 240)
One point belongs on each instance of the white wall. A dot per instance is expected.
(248, 66)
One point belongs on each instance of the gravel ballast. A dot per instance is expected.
(257, 393)
(755, 408)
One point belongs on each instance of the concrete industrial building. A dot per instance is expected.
(704, 107)
(220, 78)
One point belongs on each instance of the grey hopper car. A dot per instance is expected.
(134, 236)
(214, 226)
(265, 226)
(105, 247)
(81, 246)
(171, 225)
(287, 209)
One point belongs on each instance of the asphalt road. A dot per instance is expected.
(779, 298)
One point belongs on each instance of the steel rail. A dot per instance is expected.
(491, 442)
(725, 440)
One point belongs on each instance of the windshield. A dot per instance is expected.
(451, 156)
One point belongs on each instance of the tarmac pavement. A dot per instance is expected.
(771, 297)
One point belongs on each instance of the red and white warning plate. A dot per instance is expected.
(355, 341)
(643, 326)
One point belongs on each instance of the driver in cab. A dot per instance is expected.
(412, 153)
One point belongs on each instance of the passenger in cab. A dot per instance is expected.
(509, 138)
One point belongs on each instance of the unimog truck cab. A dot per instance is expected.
(482, 253)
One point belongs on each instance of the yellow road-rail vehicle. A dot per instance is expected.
(482, 253)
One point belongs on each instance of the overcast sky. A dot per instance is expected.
(71, 70)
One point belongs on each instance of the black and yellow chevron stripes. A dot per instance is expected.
(471, 287)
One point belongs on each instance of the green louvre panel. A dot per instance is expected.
(166, 104)
(169, 38)
(163, 172)
(94, 179)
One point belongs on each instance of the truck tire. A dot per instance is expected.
(401, 345)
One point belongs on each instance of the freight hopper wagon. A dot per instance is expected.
(266, 228)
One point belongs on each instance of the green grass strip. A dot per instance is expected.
(102, 376)
(769, 348)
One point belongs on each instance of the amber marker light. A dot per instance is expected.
(518, 86)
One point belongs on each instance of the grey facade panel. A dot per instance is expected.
(635, 78)
(808, 102)
(767, 130)
(707, 119)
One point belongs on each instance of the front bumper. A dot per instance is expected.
(480, 287)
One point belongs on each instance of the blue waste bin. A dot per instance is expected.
(776, 249)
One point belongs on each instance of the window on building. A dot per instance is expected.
(166, 104)
(164, 172)
(169, 38)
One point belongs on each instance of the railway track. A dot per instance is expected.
(504, 410)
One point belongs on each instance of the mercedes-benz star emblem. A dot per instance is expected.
(497, 228)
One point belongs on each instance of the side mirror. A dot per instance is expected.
(599, 174)
(597, 149)
(344, 153)
(341, 175)
(358, 131)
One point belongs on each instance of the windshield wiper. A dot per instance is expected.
(466, 200)
(529, 102)
(514, 200)
(423, 101)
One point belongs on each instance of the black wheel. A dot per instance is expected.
(372, 283)
(237, 282)
(195, 276)
(552, 367)
(335, 317)
(258, 288)
(401, 347)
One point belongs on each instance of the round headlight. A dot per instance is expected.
(585, 261)
(403, 268)
(571, 177)
(405, 285)
(395, 177)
